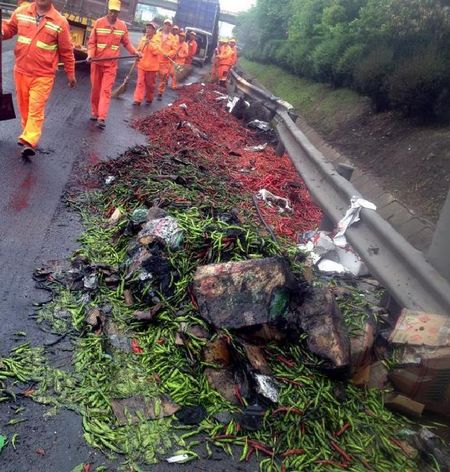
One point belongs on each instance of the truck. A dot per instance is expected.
(201, 17)
(81, 15)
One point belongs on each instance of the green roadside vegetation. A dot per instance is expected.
(323, 107)
(393, 51)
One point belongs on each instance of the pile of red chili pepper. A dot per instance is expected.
(198, 123)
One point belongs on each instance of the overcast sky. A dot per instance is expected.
(236, 5)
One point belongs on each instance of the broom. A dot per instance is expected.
(178, 67)
(123, 87)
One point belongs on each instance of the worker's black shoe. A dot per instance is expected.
(93, 118)
(159, 96)
(149, 102)
(101, 124)
(137, 104)
(27, 151)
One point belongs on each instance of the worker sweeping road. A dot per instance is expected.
(42, 37)
(108, 33)
(180, 59)
(169, 48)
(224, 59)
(148, 65)
(193, 46)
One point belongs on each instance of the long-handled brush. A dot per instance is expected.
(123, 87)
(178, 67)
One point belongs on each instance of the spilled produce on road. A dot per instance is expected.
(188, 319)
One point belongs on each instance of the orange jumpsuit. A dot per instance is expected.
(169, 47)
(105, 41)
(148, 67)
(192, 50)
(38, 49)
(224, 61)
(182, 54)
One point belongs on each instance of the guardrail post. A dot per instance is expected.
(439, 251)
(346, 171)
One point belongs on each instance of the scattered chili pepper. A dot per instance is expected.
(397, 443)
(237, 392)
(192, 297)
(261, 447)
(292, 452)
(342, 430)
(135, 347)
(224, 436)
(287, 409)
(286, 362)
(340, 451)
(249, 454)
(288, 381)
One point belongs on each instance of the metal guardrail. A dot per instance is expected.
(8, 6)
(405, 272)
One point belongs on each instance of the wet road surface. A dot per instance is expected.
(36, 227)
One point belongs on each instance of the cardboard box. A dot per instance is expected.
(423, 351)
(416, 328)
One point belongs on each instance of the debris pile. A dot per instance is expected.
(188, 322)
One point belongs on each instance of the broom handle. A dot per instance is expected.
(131, 70)
(83, 61)
(107, 59)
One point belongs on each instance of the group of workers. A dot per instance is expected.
(162, 52)
(43, 41)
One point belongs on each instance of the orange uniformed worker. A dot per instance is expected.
(43, 38)
(148, 65)
(182, 54)
(224, 58)
(108, 33)
(234, 57)
(169, 48)
(192, 43)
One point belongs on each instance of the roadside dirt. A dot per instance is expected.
(410, 160)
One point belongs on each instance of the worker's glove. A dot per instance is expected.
(72, 82)
(139, 54)
(88, 59)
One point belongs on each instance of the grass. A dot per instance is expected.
(320, 105)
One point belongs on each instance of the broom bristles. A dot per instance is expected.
(120, 90)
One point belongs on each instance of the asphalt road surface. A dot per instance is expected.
(35, 227)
